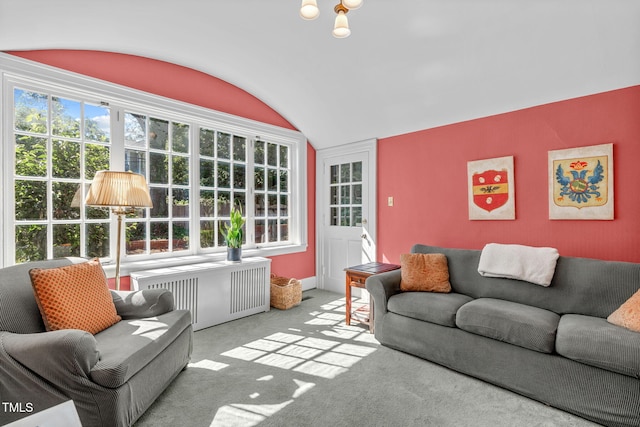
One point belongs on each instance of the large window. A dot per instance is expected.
(198, 164)
(159, 149)
(59, 145)
(271, 178)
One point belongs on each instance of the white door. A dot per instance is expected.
(346, 211)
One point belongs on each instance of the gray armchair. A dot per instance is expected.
(112, 376)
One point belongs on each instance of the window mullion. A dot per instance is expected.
(194, 188)
(250, 198)
(117, 138)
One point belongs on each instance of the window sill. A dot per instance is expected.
(127, 268)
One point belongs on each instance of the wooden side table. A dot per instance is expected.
(356, 277)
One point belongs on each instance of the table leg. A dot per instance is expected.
(370, 313)
(348, 298)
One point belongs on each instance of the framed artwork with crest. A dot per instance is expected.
(491, 189)
(581, 183)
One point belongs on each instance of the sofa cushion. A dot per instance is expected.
(424, 272)
(130, 345)
(628, 314)
(74, 297)
(431, 307)
(522, 325)
(593, 341)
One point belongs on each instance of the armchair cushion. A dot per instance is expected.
(130, 345)
(143, 303)
(74, 297)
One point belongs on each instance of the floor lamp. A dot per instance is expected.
(122, 192)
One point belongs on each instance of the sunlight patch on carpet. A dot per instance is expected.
(303, 387)
(208, 364)
(247, 415)
(335, 305)
(244, 353)
(282, 337)
(356, 350)
(266, 345)
(228, 416)
(279, 361)
(298, 350)
(313, 356)
(344, 332)
(318, 369)
(338, 359)
(320, 321)
(266, 410)
(318, 343)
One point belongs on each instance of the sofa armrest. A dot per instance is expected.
(54, 355)
(381, 287)
(144, 303)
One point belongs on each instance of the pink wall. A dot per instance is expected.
(426, 173)
(188, 85)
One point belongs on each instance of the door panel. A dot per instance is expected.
(345, 204)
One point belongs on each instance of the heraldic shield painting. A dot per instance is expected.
(581, 183)
(491, 189)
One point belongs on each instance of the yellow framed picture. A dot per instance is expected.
(581, 183)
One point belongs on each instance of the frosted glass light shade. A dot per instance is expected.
(309, 9)
(125, 189)
(341, 27)
(352, 4)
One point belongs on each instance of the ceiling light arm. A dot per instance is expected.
(340, 8)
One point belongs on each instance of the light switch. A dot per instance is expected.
(390, 201)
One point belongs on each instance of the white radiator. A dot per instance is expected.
(214, 292)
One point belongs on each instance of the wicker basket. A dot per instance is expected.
(285, 292)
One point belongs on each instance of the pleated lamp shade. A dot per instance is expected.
(114, 188)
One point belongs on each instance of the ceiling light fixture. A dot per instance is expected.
(309, 10)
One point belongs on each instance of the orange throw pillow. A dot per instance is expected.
(628, 314)
(74, 297)
(424, 272)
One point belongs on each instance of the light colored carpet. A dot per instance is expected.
(305, 367)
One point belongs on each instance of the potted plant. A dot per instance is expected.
(232, 233)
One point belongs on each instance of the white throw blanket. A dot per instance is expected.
(535, 265)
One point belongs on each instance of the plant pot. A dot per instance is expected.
(234, 254)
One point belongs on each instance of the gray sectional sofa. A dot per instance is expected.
(552, 344)
(112, 376)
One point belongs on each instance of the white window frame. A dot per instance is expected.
(24, 73)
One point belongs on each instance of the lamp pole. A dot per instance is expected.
(120, 212)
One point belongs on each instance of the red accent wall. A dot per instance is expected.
(188, 85)
(426, 173)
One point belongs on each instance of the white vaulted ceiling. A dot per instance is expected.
(408, 64)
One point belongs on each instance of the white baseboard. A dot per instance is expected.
(309, 283)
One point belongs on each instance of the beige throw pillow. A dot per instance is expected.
(424, 272)
(628, 314)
